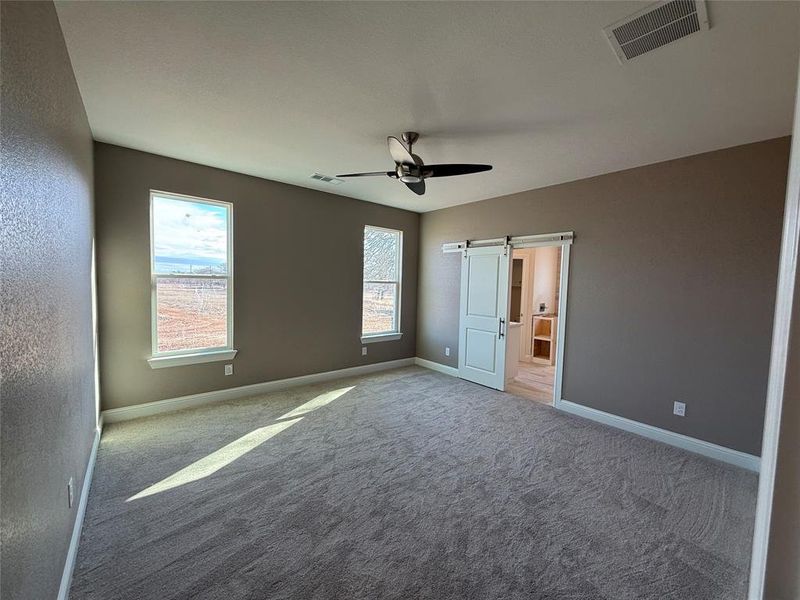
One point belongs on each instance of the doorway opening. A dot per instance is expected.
(512, 313)
(532, 341)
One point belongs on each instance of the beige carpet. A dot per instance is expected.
(406, 484)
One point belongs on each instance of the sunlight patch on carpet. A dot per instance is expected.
(317, 402)
(216, 460)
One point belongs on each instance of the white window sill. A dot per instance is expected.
(382, 337)
(160, 362)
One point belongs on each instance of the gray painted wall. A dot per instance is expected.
(48, 407)
(671, 291)
(297, 277)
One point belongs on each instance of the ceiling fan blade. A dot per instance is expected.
(399, 153)
(418, 188)
(453, 169)
(371, 174)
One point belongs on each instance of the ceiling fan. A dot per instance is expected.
(410, 169)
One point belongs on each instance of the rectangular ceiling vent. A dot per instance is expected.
(327, 179)
(657, 25)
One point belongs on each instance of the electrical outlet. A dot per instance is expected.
(447, 351)
(363, 350)
(679, 408)
(228, 369)
(70, 493)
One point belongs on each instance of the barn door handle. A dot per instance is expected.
(500, 331)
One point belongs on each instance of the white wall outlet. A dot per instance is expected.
(70, 493)
(679, 408)
(447, 350)
(228, 369)
(363, 350)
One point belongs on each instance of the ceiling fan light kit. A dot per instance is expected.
(410, 168)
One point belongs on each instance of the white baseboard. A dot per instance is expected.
(114, 415)
(734, 457)
(434, 366)
(72, 551)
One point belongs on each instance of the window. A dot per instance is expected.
(191, 279)
(383, 257)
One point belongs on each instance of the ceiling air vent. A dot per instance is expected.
(657, 25)
(327, 179)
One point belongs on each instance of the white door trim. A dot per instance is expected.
(562, 324)
(562, 311)
(787, 278)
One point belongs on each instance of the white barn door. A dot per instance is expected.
(483, 319)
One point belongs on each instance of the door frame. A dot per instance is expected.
(788, 275)
(525, 292)
(563, 239)
(562, 310)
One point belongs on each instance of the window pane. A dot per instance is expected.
(189, 237)
(380, 254)
(379, 308)
(192, 313)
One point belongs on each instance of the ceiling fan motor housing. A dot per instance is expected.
(411, 170)
(409, 174)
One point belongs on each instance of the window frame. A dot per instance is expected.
(396, 333)
(193, 355)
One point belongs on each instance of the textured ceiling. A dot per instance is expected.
(281, 90)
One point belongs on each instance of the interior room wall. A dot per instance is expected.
(545, 279)
(47, 394)
(671, 290)
(297, 277)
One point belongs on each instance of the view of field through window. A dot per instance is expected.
(381, 281)
(190, 263)
(192, 313)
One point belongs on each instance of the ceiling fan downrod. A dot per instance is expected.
(410, 138)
